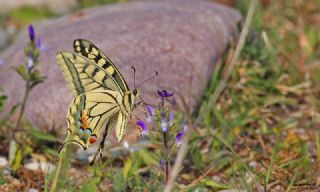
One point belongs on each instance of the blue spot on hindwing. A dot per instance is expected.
(88, 131)
(80, 131)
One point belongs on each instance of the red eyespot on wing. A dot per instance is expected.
(93, 139)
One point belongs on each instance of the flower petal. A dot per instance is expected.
(171, 117)
(165, 93)
(148, 119)
(31, 33)
(30, 61)
(143, 127)
(179, 137)
(163, 122)
(161, 163)
(164, 125)
(150, 110)
(162, 114)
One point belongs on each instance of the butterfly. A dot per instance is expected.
(101, 95)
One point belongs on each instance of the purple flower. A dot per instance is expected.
(171, 116)
(148, 119)
(164, 125)
(143, 127)
(31, 33)
(179, 137)
(164, 93)
(163, 122)
(30, 62)
(150, 113)
(150, 110)
(185, 128)
(161, 163)
(162, 114)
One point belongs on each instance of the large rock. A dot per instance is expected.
(3, 38)
(180, 39)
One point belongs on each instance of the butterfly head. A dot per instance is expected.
(130, 98)
(136, 92)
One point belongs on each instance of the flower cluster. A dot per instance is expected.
(28, 71)
(169, 128)
(32, 49)
(166, 117)
(32, 77)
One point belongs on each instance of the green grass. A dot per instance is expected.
(256, 133)
(256, 104)
(26, 15)
(261, 133)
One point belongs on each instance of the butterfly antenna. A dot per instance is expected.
(134, 76)
(153, 76)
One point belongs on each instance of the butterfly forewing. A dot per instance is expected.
(94, 54)
(82, 75)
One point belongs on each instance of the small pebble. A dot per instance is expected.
(35, 165)
(253, 164)
(85, 156)
(3, 162)
(126, 144)
(6, 172)
(216, 178)
(33, 190)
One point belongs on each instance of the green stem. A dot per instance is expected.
(58, 170)
(26, 93)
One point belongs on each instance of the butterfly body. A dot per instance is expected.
(102, 96)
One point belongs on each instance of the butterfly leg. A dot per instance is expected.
(137, 104)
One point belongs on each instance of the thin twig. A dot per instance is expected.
(201, 176)
(226, 76)
(178, 162)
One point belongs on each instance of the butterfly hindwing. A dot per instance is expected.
(89, 50)
(87, 114)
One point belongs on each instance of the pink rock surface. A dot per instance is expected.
(180, 39)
